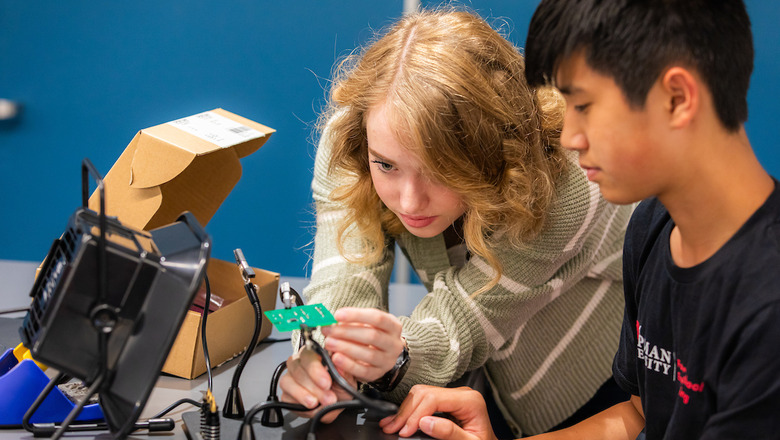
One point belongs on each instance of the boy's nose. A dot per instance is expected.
(572, 138)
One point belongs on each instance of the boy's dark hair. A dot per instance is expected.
(634, 41)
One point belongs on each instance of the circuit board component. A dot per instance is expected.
(313, 315)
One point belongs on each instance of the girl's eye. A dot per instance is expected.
(581, 108)
(383, 166)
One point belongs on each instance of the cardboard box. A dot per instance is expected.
(192, 164)
(228, 329)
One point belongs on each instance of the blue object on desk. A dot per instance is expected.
(21, 382)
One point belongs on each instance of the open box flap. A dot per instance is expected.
(133, 206)
(157, 161)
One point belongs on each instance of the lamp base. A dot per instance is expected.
(351, 424)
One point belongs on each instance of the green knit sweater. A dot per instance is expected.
(546, 334)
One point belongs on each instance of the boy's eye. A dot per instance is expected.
(383, 166)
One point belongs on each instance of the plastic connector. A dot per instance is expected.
(284, 293)
(234, 404)
(272, 417)
(247, 433)
(159, 425)
(44, 429)
(209, 418)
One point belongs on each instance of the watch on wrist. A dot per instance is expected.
(392, 378)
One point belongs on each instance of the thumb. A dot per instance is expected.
(442, 429)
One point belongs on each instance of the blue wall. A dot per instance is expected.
(91, 74)
(764, 93)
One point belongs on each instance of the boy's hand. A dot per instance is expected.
(308, 382)
(365, 343)
(464, 404)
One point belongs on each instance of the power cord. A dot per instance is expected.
(381, 406)
(9, 311)
(203, 318)
(174, 405)
(315, 421)
(56, 430)
(247, 433)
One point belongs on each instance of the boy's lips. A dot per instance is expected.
(590, 172)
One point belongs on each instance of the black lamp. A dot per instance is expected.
(108, 304)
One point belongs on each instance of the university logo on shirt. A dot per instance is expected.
(659, 359)
(655, 358)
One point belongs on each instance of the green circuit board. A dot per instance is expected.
(313, 315)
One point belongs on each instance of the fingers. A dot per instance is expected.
(287, 397)
(465, 404)
(360, 369)
(373, 317)
(419, 402)
(439, 428)
(365, 342)
(306, 381)
(327, 418)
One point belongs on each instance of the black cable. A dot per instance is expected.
(203, 317)
(332, 407)
(360, 400)
(55, 431)
(275, 378)
(19, 310)
(245, 431)
(174, 405)
(265, 405)
(151, 425)
(381, 406)
(274, 340)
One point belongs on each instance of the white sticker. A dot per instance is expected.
(216, 129)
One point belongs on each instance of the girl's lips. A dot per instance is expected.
(417, 221)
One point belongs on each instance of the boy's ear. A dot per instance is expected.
(683, 95)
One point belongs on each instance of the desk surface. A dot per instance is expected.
(16, 280)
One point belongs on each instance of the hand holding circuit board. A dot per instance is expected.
(306, 318)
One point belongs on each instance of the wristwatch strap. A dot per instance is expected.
(392, 378)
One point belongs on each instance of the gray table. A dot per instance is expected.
(16, 279)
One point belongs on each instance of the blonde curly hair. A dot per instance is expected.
(457, 92)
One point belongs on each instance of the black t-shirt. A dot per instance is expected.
(701, 345)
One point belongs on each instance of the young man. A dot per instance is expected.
(656, 102)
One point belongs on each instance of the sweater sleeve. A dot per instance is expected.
(336, 282)
(549, 284)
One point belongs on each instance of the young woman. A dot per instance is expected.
(434, 141)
